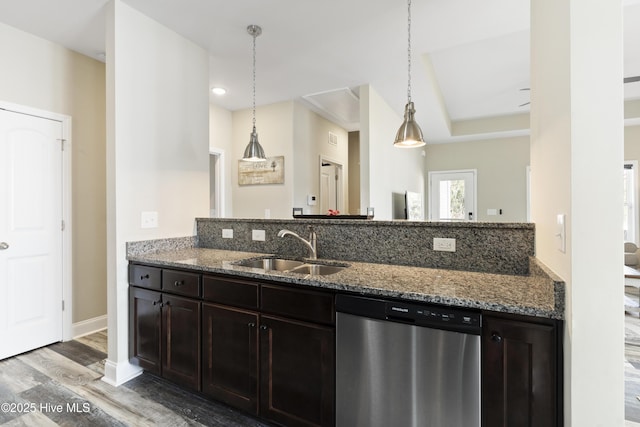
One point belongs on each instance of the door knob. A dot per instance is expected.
(3, 246)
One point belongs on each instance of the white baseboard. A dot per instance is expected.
(88, 326)
(117, 374)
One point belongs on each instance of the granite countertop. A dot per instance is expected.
(539, 294)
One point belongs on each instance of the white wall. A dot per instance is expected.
(632, 143)
(384, 169)
(570, 134)
(274, 125)
(220, 139)
(501, 179)
(311, 133)
(157, 150)
(40, 74)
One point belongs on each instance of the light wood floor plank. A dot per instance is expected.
(31, 419)
(58, 367)
(18, 376)
(97, 340)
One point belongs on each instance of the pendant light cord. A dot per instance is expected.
(409, 51)
(254, 80)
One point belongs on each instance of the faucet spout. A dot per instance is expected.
(311, 243)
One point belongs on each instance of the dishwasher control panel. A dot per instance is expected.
(425, 315)
(432, 316)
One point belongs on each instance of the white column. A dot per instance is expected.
(576, 170)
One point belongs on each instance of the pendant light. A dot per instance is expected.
(254, 151)
(409, 135)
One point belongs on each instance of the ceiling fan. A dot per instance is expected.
(625, 80)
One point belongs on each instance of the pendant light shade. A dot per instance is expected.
(409, 135)
(254, 151)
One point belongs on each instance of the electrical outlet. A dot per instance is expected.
(258, 235)
(227, 233)
(149, 220)
(444, 244)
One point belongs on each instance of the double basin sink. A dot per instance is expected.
(285, 265)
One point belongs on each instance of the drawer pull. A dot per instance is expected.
(264, 327)
(251, 325)
(178, 283)
(146, 276)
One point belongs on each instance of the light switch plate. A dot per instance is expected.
(444, 244)
(258, 235)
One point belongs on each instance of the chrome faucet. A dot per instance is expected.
(311, 243)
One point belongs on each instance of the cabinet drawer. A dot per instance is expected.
(147, 277)
(299, 304)
(230, 291)
(180, 282)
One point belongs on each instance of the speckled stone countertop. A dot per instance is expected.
(539, 294)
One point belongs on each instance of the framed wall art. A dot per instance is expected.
(270, 171)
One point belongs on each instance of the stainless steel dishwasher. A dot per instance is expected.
(406, 365)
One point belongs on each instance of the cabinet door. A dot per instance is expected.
(230, 356)
(181, 340)
(519, 374)
(297, 372)
(145, 328)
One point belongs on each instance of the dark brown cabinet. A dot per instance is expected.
(180, 333)
(164, 329)
(269, 350)
(297, 372)
(145, 342)
(230, 356)
(521, 373)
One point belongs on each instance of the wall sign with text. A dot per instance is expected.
(270, 171)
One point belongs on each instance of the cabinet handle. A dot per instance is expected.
(496, 337)
(264, 327)
(146, 276)
(178, 283)
(157, 302)
(251, 325)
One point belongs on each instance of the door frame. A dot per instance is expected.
(340, 187)
(220, 181)
(66, 253)
(474, 172)
(636, 196)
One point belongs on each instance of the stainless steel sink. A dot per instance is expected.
(291, 266)
(317, 269)
(269, 264)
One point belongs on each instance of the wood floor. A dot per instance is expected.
(60, 385)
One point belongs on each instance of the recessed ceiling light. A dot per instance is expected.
(219, 90)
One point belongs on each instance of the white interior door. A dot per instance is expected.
(330, 186)
(30, 232)
(452, 196)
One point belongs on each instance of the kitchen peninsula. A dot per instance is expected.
(492, 271)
